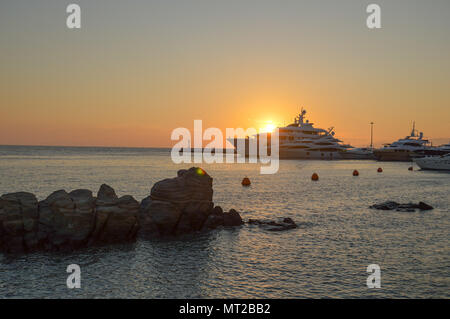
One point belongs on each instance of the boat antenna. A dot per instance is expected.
(371, 134)
(413, 132)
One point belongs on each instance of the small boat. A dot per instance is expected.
(439, 163)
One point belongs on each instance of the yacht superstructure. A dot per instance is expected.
(302, 140)
(405, 149)
(444, 148)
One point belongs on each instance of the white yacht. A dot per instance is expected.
(358, 153)
(434, 162)
(405, 149)
(444, 148)
(301, 140)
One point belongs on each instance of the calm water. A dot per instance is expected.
(327, 256)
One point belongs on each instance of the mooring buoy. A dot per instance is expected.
(246, 181)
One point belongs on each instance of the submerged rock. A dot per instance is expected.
(385, 206)
(18, 222)
(424, 206)
(410, 207)
(271, 225)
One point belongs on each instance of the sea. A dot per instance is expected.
(327, 256)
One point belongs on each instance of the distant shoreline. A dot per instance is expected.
(67, 146)
(77, 146)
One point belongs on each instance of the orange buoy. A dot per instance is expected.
(246, 181)
(355, 173)
(380, 170)
(410, 168)
(315, 177)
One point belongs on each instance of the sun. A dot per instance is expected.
(270, 127)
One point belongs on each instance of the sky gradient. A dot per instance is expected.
(136, 70)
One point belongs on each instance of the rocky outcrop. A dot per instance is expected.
(116, 218)
(66, 221)
(270, 225)
(214, 219)
(19, 219)
(232, 218)
(183, 204)
(410, 207)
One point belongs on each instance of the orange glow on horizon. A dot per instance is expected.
(130, 85)
(269, 127)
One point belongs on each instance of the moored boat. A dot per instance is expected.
(299, 140)
(405, 149)
(441, 163)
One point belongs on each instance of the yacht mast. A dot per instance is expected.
(371, 134)
(413, 133)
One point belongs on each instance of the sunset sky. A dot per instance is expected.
(136, 70)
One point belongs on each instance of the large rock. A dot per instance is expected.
(18, 222)
(191, 189)
(183, 204)
(66, 220)
(116, 219)
(390, 205)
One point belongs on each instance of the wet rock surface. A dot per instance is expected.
(65, 221)
(116, 219)
(280, 225)
(19, 219)
(409, 207)
(183, 204)
(175, 206)
(232, 218)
